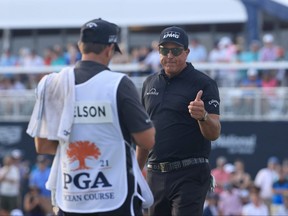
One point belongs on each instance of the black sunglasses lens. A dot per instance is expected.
(175, 51)
(164, 51)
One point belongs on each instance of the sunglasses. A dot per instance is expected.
(175, 51)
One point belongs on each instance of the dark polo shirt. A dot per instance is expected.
(178, 135)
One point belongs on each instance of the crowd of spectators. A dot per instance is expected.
(52, 56)
(224, 50)
(22, 185)
(237, 193)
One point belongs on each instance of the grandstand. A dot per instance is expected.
(17, 105)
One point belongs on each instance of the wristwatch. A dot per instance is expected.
(204, 117)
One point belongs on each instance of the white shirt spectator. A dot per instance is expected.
(10, 180)
(250, 210)
(266, 177)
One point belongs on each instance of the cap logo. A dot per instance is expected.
(112, 39)
(91, 25)
(171, 34)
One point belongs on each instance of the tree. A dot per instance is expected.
(80, 150)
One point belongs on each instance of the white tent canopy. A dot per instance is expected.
(24, 14)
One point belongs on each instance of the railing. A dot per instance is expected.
(236, 104)
(16, 105)
(137, 67)
(258, 104)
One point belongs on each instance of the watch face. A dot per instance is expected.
(205, 116)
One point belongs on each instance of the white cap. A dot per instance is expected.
(268, 38)
(16, 212)
(252, 72)
(16, 153)
(225, 41)
(229, 168)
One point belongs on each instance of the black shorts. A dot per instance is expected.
(8, 202)
(179, 192)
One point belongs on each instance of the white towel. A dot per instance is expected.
(53, 111)
(146, 194)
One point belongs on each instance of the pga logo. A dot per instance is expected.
(171, 34)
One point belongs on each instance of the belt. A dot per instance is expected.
(176, 165)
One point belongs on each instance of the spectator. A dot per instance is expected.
(265, 178)
(6, 83)
(143, 53)
(135, 59)
(241, 179)
(24, 169)
(152, 60)
(271, 103)
(252, 79)
(28, 57)
(269, 79)
(16, 83)
(281, 74)
(33, 202)
(269, 51)
(225, 52)
(47, 55)
(9, 185)
(279, 188)
(256, 206)
(283, 209)
(7, 58)
(221, 176)
(285, 167)
(72, 55)
(38, 177)
(248, 93)
(211, 205)
(214, 55)
(250, 55)
(230, 202)
(198, 52)
(58, 55)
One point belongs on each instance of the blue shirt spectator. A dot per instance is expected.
(39, 175)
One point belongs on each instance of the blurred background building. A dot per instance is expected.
(53, 22)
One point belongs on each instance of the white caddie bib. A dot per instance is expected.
(93, 163)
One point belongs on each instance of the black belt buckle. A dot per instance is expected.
(164, 167)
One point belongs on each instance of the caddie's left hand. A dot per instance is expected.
(196, 107)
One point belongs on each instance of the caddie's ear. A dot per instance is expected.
(80, 45)
(111, 50)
